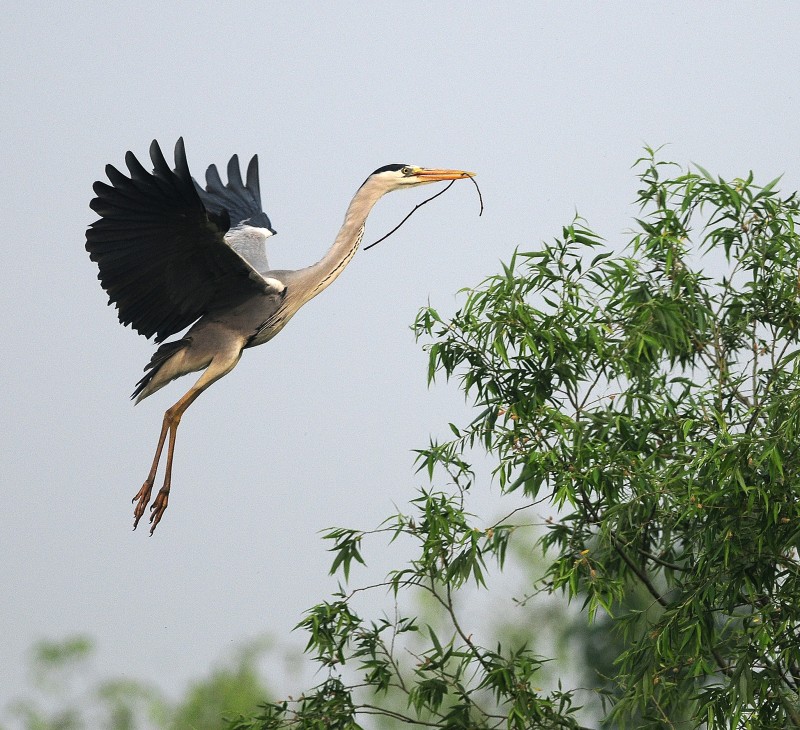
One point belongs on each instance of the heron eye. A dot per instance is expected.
(407, 171)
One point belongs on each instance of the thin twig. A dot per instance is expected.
(416, 207)
(419, 205)
(480, 197)
(639, 572)
(386, 712)
(660, 561)
(519, 509)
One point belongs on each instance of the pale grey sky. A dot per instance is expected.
(549, 102)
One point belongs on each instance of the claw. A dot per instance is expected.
(143, 497)
(158, 508)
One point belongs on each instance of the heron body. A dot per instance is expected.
(172, 254)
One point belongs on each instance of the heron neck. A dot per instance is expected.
(321, 275)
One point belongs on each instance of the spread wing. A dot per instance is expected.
(165, 258)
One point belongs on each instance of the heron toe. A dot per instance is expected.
(142, 499)
(158, 508)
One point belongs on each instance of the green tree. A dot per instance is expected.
(66, 696)
(230, 690)
(647, 395)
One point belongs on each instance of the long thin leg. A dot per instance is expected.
(219, 366)
(143, 495)
(162, 498)
(176, 412)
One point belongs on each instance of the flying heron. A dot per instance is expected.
(173, 254)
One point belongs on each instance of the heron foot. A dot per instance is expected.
(158, 507)
(142, 499)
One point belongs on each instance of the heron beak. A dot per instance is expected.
(435, 174)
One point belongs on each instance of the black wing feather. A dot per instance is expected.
(252, 178)
(242, 201)
(162, 254)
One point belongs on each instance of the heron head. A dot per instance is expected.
(395, 177)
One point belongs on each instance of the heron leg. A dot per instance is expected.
(142, 497)
(174, 414)
(220, 365)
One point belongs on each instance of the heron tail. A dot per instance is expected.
(159, 359)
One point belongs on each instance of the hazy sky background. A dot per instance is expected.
(549, 102)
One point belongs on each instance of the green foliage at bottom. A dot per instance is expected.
(65, 695)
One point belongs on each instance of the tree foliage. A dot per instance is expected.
(649, 395)
(66, 696)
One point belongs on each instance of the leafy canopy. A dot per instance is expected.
(650, 396)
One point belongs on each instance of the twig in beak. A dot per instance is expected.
(418, 205)
(480, 197)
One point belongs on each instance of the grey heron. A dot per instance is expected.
(173, 255)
